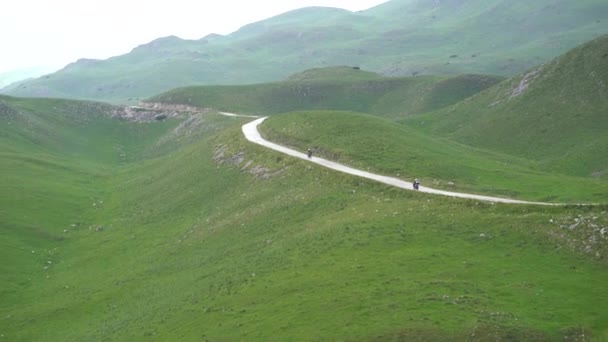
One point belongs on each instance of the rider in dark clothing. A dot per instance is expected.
(416, 184)
(309, 153)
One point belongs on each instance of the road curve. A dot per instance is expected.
(250, 130)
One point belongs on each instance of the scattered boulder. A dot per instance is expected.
(586, 234)
(247, 165)
(218, 156)
(237, 159)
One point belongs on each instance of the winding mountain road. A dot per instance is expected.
(250, 130)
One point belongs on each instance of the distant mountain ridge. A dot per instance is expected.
(16, 75)
(399, 37)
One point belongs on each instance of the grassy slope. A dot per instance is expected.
(194, 250)
(396, 38)
(401, 151)
(559, 119)
(56, 156)
(340, 88)
(462, 28)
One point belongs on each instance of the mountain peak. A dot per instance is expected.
(399, 37)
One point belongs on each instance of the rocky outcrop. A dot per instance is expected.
(150, 112)
(159, 106)
(524, 83)
(223, 157)
(586, 234)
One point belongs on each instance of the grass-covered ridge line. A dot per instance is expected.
(354, 139)
(338, 88)
(193, 244)
(555, 113)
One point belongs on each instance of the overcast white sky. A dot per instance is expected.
(56, 32)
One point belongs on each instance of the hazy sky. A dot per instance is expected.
(57, 32)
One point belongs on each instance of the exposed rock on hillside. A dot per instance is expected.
(158, 106)
(149, 112)
(223, 157)
(525, 81)
(586, 234)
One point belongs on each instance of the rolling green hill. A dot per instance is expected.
(377, 144)
(119, 230)
(338, 88)
(193, 244)
(556, 114)
(397, 38)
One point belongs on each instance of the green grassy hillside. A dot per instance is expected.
(339, 88)
(56, 159)
(397, 38)
(218, 239)
(400, 151)
(556, 114)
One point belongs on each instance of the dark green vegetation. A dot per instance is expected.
(118, 230)
(400, 37)
(556, 114)
(339, 88)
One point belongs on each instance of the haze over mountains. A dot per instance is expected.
(162, 222)
(400, 37)
(9, 77)
(554, 113)
(175, 227)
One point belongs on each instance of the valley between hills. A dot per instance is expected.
(157, 218)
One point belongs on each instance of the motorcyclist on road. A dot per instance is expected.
(309, 153)
(416, 184)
